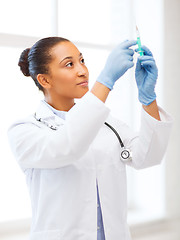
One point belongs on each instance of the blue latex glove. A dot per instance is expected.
(146, 74)
(118, 62)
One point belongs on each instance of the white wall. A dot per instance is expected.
(171, 102)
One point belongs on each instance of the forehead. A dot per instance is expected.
(64, 49)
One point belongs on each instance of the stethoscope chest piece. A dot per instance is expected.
(126, 155)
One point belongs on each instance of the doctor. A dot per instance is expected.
(71, 159)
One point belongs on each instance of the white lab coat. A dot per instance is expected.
(62, 167)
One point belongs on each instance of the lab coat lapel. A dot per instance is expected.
(45, 113)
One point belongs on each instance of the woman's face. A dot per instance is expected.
(67, 70)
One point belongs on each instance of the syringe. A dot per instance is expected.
(139, 42)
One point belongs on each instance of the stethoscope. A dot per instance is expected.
(126, 154)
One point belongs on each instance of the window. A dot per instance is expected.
(28, 17)
(14, 197)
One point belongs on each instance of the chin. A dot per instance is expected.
(80, 95)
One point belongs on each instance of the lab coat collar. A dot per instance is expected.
(44, 112)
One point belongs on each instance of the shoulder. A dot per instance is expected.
(27, 121)
(23, 124)
(42, 111)
(116, 122)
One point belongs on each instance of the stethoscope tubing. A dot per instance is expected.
(120, 141)
(125, 153)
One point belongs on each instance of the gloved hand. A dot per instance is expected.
(118, 62)
(146, 74)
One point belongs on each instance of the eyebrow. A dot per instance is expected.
(70, 57)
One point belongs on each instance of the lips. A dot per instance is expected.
(84, 82)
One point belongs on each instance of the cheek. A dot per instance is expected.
(65, 84)
(64, 79)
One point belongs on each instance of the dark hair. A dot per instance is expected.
(35, 60)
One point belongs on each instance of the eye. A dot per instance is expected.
(69, 64)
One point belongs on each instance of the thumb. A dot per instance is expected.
(138, 65)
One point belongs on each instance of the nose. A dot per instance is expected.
(82, 71)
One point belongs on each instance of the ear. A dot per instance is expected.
(43, 81)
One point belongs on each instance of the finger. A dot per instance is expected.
(129, 52)
(138, 65)
(148, 63)
(129, 58)
(130, 64)
(128, 43)
(137, 50)
(146, 51)
(145, 58)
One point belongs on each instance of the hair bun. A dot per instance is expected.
(23, 62)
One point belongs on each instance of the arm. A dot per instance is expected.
(152, 110)
(100, 91)
(36, 146)
(148, 146)
(146, 74)
(118, 62)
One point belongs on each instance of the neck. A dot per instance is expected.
(60, 103)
